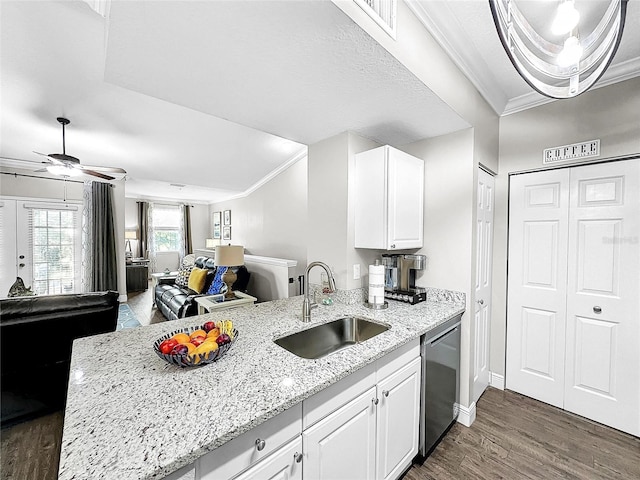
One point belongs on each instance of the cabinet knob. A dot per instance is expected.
(297, 457)
(260, 444)
(385, 393)
(375, 401)
(393, 245)
(481, 302)
(597, 309)
(21, 257)
(21, 265)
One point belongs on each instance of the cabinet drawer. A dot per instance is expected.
(335, 396)
(397, 359)
(240, 453)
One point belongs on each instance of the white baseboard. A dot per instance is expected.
(496, 380)
(466, 416)
(123, 298)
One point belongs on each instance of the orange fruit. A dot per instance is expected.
(210, 339)
(198, 333)
(214, 332)
(181, 337)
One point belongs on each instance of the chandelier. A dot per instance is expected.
(555, 54)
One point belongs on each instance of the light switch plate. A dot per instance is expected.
(356, 271)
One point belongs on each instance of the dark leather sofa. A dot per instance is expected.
(175, 301)
(36, 334)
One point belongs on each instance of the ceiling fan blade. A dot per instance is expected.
(97, 174)
(102, 169)
(49, 158)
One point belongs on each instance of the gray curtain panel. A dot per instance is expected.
(188, 245)
(105, 261)
(143, 229)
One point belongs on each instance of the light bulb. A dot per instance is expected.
(63, 170)
(566, 18)
(571, 53)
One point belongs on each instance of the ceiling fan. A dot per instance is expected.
(68, 166)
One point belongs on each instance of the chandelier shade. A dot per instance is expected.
(570, 62)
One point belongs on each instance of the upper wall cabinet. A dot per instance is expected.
(389, 199)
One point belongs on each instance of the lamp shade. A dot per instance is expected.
(130, 234)
(210, 243)
(229, 255)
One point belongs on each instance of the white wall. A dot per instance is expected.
(450, 172)
(272, 220)
(609, 113)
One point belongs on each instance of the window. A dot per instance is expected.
(54, 249)
(166, 228)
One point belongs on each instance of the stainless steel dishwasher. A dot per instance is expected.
(440, 388)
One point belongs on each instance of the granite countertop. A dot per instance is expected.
(130, 415)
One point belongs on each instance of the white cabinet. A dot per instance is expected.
(284, 464)
(375, 435)
(342, 445)
(389, 199)
(398, 421)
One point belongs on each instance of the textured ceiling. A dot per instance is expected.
(301, 70)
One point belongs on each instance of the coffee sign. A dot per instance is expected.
(571, 152)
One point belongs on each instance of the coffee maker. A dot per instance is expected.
(400, 277)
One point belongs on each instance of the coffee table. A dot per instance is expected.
(210, 303)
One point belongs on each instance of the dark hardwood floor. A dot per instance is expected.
(516, 437)
(513, 437)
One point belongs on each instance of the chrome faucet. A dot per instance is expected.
(307, 304)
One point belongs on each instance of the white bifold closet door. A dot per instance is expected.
(573, 319)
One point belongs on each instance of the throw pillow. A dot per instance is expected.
(217, 285)
(182, 279)
(197, 278)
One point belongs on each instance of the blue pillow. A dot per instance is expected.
(217, 283)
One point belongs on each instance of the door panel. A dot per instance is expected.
(484, 262)
(603, 303)
(537, 279)
(343, 445)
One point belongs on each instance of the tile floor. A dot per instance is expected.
(142, 305)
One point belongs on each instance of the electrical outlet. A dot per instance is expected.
(356, 271)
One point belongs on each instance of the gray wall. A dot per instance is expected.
(609, 113)
(271, 221)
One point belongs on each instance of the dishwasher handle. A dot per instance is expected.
(434, 341)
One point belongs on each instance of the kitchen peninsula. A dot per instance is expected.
(129, 415)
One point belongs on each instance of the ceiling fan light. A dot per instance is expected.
(571, 53)
(566, 19)
(63, 171)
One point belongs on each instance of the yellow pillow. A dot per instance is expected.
(197, 279)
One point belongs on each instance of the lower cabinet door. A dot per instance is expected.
(342, 446)
(283, 464)
(398, 421)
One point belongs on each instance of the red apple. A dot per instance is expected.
(197, 340)
(167, 345)
(222, 339)
(208, 326)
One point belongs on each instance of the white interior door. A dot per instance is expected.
(8, 266)
(603, 300)
(537, 284)
(484, 261)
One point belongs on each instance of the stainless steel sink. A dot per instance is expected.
(321, 340)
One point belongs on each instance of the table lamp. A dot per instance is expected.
(129, 235)
(229, 256)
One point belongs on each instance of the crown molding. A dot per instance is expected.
(437, 18)
(274, 173)
(614, 74)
